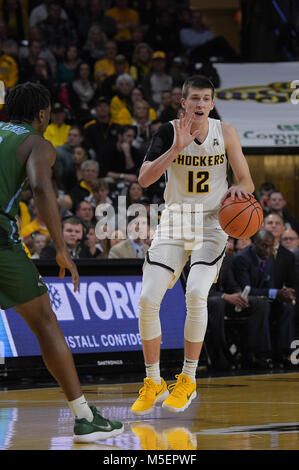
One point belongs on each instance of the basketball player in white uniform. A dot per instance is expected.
(193, 152)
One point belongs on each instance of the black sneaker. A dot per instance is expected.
(99, 428)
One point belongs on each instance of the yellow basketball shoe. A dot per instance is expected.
(149, 394)
(181, 394)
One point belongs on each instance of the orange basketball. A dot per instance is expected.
(241, 218)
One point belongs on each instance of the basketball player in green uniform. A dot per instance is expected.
(26, 157)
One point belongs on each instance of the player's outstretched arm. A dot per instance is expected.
(151, 171)
(38, 167)
(244, 186)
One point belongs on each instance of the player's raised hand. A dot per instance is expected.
(183, 131)
(64, 262)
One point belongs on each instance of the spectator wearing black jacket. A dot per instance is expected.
(74, 233)
(100, 131)
(255, 266)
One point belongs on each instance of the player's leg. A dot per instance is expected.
(89, 424)
(199, 283)
(22, 287)
(156, 280)
(56, 354)
(204, 268)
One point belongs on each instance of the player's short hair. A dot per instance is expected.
(197, 81)
(25, 100)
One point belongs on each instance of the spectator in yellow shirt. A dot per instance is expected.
(9, 71)
(124, 86)
(126, 19)
(125, 118)
(57, 132)
(103, 68)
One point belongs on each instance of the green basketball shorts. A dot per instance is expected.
(20, 280)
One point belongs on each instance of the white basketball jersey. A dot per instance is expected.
(199, 173)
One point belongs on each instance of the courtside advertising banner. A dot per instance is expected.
(101, 317)
(262, 101)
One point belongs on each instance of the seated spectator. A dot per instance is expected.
(27, 64)
(134, 193)
(290, 239)
(56, 29)
(121, 160)
(90, 173)
(85, 211)
(141, 62)
(42, 75)
(72, 176)
(82, 93)
(93, 243)
(197, 34)
(40, 240)
(142, 123)
(41, 12)
(284, 265)
(57, 131)
(124, 86)
(74, 232)
(125, 118)
(11, 48)
(15, 14)
(165, 102)
(171, 111)
(242, 243)
(134, 246)
(35, 34)
(94, 48)
(87, 13)
(126, 19)
(100, 193)
(255, 266)
(128, 47)
(105, 66)
(157, 80)
(64, 153)
(9, 70)
(200, 43)
(263, 194)
(278, 205)
(67, 68)
(108, 87)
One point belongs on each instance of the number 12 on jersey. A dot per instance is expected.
(197, 183)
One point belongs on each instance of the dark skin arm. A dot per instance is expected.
(41, 158)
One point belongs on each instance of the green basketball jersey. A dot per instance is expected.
(13, 178)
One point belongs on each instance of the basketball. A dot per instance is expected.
(241, 218)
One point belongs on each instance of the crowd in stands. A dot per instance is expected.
(115, 70)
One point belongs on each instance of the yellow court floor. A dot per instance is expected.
(256, 412)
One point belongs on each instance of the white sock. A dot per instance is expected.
(153, 372)
(80, 408)
(189, 368)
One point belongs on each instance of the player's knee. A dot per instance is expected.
(195, 298)
(149, 320)
(44, 320)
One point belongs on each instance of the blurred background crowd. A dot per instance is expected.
(115, 70)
